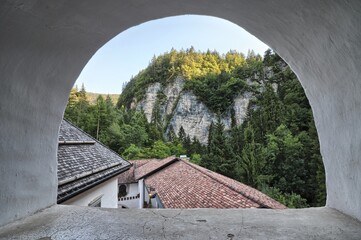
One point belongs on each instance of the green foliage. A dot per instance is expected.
(220, 157)
(253, 161)
(211, 77)
(196, 158)
(133, 152)
(92, 97)
(285, 156)
(160, 150)
(291, 200)
(277, 145)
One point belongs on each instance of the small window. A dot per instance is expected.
(122, 191)
(96, 202)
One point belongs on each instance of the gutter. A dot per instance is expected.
(75, 142)
(92, 184)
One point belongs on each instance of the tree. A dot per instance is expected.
(286, 161)
(176, 149)
(171, 136)
(210, 136)
(181, 134)
(291, 200)
(71, 110)
(101, 115)
(160, 150)
(220, 157)
(196, 158)
(268, 57)
(252, 159)
(133, 152)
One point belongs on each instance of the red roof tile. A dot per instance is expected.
(180, 184)
(128, 176)
(152, 166)
(241, 188)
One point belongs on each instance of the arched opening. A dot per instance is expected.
(195, 123)
(43, 44)
(122, 191)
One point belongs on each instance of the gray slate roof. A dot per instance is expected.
(83, 162)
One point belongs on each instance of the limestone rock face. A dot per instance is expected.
(179, 108)
(194, 117)
(240, 107)
(172, 92)
(148, 102)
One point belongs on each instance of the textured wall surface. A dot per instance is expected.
(45, 44)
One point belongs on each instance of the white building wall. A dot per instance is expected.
(141, 192)
(146, 199)
(131, 200)
(108, 190)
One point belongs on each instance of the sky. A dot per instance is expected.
(131, 51)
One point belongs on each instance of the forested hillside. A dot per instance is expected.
(92, 97)
(275, 148)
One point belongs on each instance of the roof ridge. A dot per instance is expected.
(198, 168)
(168, 161)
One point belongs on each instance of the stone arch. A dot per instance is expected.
(45, 44)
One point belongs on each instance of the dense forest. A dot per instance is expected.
(275, 149)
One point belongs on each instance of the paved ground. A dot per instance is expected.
(70, 222)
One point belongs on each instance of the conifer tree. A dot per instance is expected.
(181, 134)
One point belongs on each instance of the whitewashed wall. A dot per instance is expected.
(45, 45)
(131, 200)
(155, 201)
(109, 190)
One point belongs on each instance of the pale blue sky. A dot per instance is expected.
(130, 51)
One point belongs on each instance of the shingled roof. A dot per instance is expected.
(83, 162)
(181, 184)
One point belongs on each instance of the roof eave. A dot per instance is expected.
(89, 186)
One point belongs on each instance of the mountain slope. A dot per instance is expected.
(190, 90)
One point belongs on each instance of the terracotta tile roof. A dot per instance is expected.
(241, 188)
(83, 161)
(152, 166)
(141, 162)
(180, 184)
(129, 176)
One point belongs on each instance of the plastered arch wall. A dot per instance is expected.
(45, 44)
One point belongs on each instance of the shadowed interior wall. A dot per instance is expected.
(44, 45)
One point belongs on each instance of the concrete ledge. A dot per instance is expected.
(71, 222)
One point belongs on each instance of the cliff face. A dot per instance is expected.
(179, 108)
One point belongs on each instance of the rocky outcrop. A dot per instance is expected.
(179, 108)
(240, 107)
(172, 92)
(148, 102)
(194, 117)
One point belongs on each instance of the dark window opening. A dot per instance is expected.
(122, 191)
